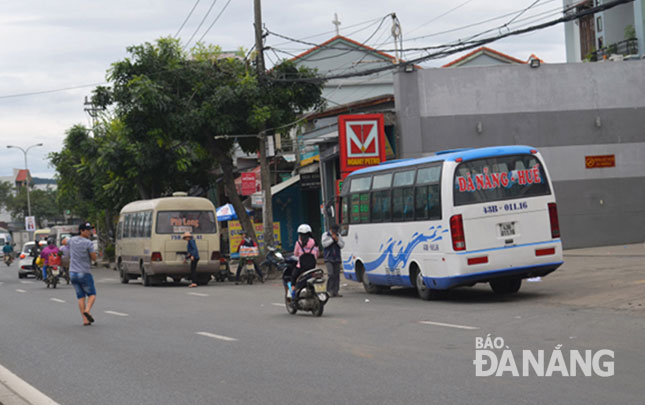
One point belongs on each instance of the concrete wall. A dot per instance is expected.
(568, 111)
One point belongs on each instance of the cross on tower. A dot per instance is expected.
(336, 22)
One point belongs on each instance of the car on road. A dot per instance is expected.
(26, 266)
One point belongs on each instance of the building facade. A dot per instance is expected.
(570, 112)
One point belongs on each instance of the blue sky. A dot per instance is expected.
(60, 45)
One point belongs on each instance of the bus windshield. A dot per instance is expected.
(499, 178)
(186, 221)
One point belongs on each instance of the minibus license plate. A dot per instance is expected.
(507, 229)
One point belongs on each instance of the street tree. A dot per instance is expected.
(168, 100)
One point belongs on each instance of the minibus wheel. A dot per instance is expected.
(146, 280)
(124, 275)
(507, 285)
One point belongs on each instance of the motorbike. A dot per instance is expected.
(224, 271)
(53, 271)
(311, 295)
(8, 259)
(247, 254)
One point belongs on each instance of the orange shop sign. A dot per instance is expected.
(600, 161)
(362, 141)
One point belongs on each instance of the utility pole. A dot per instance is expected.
(267, 209)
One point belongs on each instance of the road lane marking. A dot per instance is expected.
(449, 325)
(20, 291)
(115, 313)
(57, 300)
(214, 336)
(23, 389)
(278, 304)
(106, 280)
(26, 282)
(198, 294)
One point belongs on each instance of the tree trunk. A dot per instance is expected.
(226, 163)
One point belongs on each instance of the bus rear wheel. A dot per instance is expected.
(509, 285)
(146, 279)
(425, 293)
(124, 275)
(369, 287)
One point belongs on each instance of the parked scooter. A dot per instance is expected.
(311, 291)
(8, 259)
(247, 255)
(224, 271)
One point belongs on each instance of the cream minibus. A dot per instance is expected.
(453, 219)
(149, 240)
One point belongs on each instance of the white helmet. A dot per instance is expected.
(304, 228)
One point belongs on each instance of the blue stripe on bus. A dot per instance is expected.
(444, 283)
(508, 247)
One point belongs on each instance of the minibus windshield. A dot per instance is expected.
(499, 178)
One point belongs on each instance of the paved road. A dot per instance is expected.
(236, 344)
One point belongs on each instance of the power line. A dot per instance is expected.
(471, 25)
(200, 24)
(441, 15)
(468, 45)
(35, 93)
(214, 21)
(187, 17)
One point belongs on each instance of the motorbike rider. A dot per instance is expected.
(51, 249)
(64, 251)
(306, 250)
(7, 251)
(247, 241)
(35, 253)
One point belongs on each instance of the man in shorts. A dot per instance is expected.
(82, 254)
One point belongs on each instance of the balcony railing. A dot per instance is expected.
(626, 47)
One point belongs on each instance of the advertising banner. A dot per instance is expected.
(362, 141)
(235, 234)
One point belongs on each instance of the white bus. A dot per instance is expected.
(453, 219)
(149, 240)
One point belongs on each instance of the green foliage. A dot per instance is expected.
(43, 204)
(630, 32)
(166, 107)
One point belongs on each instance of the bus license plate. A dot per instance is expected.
(507, 229)
(320, 287)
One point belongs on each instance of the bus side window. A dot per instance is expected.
(381, 203)
(119, 228)
(142, 216)
(365, 208)
(355, 210)
(149, 224)
(403, 204)
(126, 227)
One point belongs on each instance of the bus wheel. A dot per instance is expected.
(146, 280)
(124, 275)
(369, 287)
(509, 285)
(425, 293)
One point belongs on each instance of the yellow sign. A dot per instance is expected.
(235, 234)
